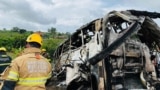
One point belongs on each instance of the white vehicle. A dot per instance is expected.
(105, 53)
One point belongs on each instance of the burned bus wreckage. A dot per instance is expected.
(104, 53)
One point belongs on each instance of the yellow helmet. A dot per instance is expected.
(3, 49)
(35, 37)
(43, 50)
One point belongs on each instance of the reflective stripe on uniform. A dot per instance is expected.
(4, 64)
(32, 81)
(4, 55)
(49, 75)
(13, 75)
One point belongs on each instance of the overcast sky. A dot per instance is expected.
(64, 15)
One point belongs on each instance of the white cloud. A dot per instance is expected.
(65, 15)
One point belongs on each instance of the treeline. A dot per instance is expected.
(14, 40)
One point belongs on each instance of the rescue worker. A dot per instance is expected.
(31, 70)
(45, 54)
(5, 59)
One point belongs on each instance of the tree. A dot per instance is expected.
(68, 34)
(52, 31)
(4, 29)
(15, 29)
(22, 31)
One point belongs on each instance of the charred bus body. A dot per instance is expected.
(103, 53)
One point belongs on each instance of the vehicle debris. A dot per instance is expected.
(102, 54)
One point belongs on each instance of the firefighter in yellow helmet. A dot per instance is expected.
(45, 54)
(31, 70)
(5, 59)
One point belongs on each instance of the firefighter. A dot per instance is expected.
(44, 53)
(5, 59)
(31, 70)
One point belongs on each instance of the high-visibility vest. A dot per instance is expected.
(31, 81)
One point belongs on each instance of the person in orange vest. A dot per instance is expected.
(5, 59)
(31, 70)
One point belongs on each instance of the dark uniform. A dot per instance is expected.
(5, 60)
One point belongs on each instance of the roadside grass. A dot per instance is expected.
(12, 55)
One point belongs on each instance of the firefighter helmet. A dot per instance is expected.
(3, 49)
(35, 37)
(43, 50)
